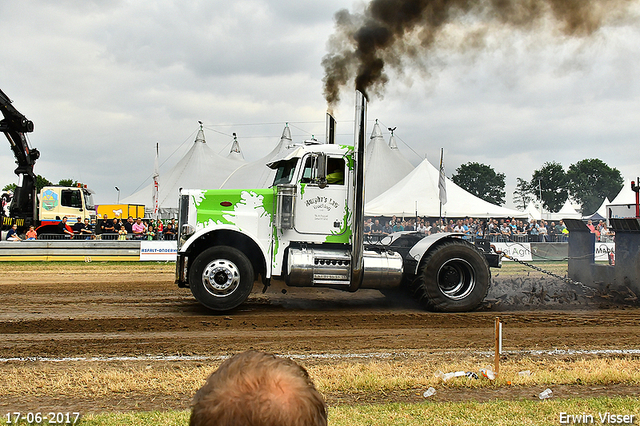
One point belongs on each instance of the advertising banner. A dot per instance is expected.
(521, 251)
(158, 250)
(603, 250)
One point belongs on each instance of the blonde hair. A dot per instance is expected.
(258, 389)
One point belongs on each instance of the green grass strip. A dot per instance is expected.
(498, 413)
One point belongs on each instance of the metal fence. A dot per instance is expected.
(107, 236)
(499, 238)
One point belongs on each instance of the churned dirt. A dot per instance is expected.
(131, 311)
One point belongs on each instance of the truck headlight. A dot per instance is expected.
(187, 230)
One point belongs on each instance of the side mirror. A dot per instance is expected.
(322, 170)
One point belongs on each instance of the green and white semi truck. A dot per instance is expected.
(307, 230)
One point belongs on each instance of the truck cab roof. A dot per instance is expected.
(299, 150)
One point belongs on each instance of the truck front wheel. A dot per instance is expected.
(453, 278)
(221, 278)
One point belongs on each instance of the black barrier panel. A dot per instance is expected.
(629, 225)
(576, 225)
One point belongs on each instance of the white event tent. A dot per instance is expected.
(533, 211)
(235, 153)
(384, 166)
(566, 212)
(256, 174)
(626, 195)
(601, 213)
(200, 167)
(417, 193)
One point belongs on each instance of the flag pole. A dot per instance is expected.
(155, 186)
(442, 186)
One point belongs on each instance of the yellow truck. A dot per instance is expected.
(120, 211)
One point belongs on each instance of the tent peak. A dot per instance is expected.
(200, 135)
(235, 153)
(286, 132)
(392, 141)
(376, 132)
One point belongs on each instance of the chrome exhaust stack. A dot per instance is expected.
(331, 129)
(357, 222)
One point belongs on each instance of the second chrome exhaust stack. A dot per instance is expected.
(357, 222)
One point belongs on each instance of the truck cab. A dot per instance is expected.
(55, 202)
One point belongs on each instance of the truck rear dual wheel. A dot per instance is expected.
(453, 278)
(221, 278)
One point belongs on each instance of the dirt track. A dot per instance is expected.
(77, 310)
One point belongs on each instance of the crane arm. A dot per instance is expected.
(14, 125)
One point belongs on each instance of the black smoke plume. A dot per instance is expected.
(397, 33)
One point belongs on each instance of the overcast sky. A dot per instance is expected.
(104, 81)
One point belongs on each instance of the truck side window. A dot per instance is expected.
(284, 174)
(308, 173)
(71, 198)
(335, 171)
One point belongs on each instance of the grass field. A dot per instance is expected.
(498, 413)
(357, 390)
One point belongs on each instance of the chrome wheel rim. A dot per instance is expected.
(456, 278)
(221, 277)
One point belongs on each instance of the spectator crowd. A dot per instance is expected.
(495, 230)
(103, 228)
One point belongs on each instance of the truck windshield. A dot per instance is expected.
(70, 198)
(88, 200)
(284, 174)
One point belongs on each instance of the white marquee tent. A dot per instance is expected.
(384, 166)
(566, 212)
(256, 174)
(418, 193)
(235, 153)
(626, 195)
(200, 167)
(601, 213)
(533, 211)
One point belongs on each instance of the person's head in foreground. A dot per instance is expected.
(258, 389)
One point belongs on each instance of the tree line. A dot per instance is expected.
(41, 182)
(587, 182)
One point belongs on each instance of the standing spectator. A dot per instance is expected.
(116, 225)
(88, 229)
(150, 233)
(160, 229)
(534, 235)
(408, 225)
(258, 389)
(128, 225)
(122, 233)
(78, 226)
(376, 228)
(138, 229)
(169, 232)
(505, 231)
(552, 232)
(63, 229)
(107, 226)
(367, 226)
(542, 231)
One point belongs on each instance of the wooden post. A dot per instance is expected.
(497, 349)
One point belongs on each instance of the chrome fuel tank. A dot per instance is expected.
(382, 269)
(313, 266)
